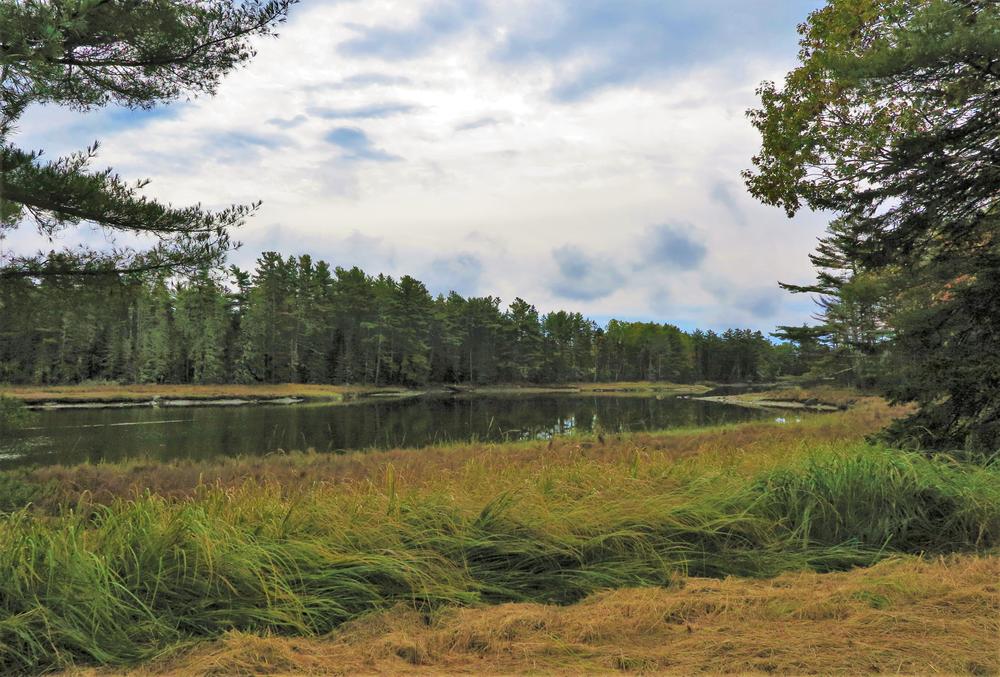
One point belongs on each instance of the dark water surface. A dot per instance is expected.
(79, 435)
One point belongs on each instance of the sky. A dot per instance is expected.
(580, 154)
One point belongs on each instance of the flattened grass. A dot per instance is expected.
(902, 616)
(102, 571)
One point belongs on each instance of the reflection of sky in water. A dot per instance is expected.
(77, 435)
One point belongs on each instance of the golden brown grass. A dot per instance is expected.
(908, 616)
(110, 392)
(838, 396)
(827, 398)
(638, 387)
(904, 615)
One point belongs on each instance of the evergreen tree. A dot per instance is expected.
(154, 333)
(524, 342)
(854, 311)
(890, 122)
(201, 322)
(446, 338)
(412, 308)
(483, 322)
(87, 54)
(314, 320)
(268, 331)
(354, 304)
(569, 341)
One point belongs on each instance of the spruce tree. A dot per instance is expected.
(201, 327)
(155, 334)
(891, 122)
(524, 340)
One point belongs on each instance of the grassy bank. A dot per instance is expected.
(116, 564)
(473, 468)
(617, 388)
(112, 392)
(826, 398)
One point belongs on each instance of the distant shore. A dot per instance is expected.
(182, 395)
(766, 403)
(96, 396)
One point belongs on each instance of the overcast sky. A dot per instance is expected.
(581, 154)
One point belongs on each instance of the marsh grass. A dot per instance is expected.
(475, 469)
(121, 582)
(102, 391)
(118, 564)
(114, 392)
(13, 414)
(902, 616)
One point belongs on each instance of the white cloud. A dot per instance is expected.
(465, 164)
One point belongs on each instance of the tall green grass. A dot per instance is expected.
(120, 583)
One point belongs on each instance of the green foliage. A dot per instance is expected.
(293, 320)
(87, 54)
(736, 355)
(890, 122)
(153, 319)
(92, 53)
(903, 502)
(851, 342)
(202, 322)
(649, 351)
(121, 583)
(525, 341)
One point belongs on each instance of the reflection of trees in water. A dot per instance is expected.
(380, 424)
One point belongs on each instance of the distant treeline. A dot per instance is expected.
(296, 320)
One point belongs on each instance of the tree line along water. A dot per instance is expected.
(300, 321)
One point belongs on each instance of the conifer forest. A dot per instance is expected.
(293, 320)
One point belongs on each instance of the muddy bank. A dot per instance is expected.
(761, 403)
(211, 402)
(237, 396)
(130, 404)
(624, 388)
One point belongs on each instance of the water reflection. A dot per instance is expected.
(78, 435)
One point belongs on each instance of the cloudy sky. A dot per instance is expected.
(581, 154)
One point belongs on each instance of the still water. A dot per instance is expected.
(79, 435)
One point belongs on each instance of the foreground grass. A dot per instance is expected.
(118, 564)
(904, 615)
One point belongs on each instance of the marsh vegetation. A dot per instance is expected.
(119, 563)
(540, 531)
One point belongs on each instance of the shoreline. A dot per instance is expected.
(110, 396)
(171, 395)
(764, 403)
